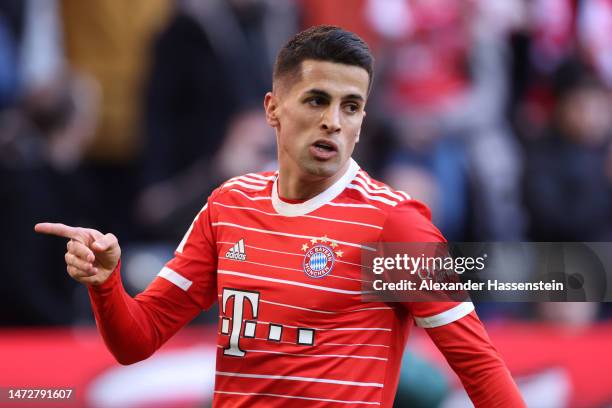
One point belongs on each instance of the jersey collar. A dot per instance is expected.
(294, 210)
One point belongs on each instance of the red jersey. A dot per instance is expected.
(293, 328)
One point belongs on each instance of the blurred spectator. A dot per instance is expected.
(446, 93)
(574, 315)
(61, 154)
(104, 105)
(542, 40)
(8, 64)
(551, 23)
(110, 41)
(204, 119)
(595, 31)
(355, 18)
(43, 134)
(568, 177)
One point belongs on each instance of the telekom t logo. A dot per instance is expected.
(304, 336)
(249, 326)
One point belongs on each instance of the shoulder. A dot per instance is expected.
(406, 219)
(251, 184)
(368, 190)
(410, 221)
(246, 190)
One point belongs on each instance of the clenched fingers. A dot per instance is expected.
(77, 274)
(79, 264)
(80, 250)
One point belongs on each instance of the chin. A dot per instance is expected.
(322, 169)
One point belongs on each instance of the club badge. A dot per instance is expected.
(320, 257)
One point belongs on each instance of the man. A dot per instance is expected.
(281, 253)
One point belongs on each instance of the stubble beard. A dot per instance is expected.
(318, 168)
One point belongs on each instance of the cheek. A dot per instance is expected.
(353, 128)
(297, 122)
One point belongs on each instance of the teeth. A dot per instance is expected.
(323, 146)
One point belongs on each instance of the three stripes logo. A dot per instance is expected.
(237, 252)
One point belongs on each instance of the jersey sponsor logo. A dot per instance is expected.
(237, 252)
(238, 325)
(240, 305)
(320, 257)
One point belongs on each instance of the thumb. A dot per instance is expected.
(104, 243)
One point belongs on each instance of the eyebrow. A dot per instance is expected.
(319, 92)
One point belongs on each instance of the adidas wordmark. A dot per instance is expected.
(237, 251)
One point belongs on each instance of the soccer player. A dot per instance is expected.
(280, 252)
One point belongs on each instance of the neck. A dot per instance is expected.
(296, 186)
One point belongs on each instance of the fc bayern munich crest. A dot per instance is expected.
(320, 257)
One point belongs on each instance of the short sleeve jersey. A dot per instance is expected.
(293, 328)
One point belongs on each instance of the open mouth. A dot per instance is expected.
(325, 146)
(323, 149)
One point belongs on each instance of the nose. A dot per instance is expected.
(330, 122)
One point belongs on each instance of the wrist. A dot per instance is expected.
(113, 279)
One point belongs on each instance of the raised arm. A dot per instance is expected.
(132, 328)
(91, 256)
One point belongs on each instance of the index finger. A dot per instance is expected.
(60, 230)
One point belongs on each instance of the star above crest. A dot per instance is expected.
(325, 240)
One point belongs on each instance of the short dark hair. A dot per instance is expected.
(324, 43)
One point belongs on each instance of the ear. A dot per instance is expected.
(271, 107)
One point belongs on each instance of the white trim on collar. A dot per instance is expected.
(295, 210)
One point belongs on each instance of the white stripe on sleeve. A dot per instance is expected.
(175, 278)
(449, 316)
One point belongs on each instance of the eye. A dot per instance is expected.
(351, 108)
(315, 101)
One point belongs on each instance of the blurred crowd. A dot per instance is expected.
(123, 116)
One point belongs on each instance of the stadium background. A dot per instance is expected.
(123, 116)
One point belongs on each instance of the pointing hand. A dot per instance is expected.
(91, 256)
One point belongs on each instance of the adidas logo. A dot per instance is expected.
(237, 251)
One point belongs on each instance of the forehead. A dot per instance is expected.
(331, 77)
